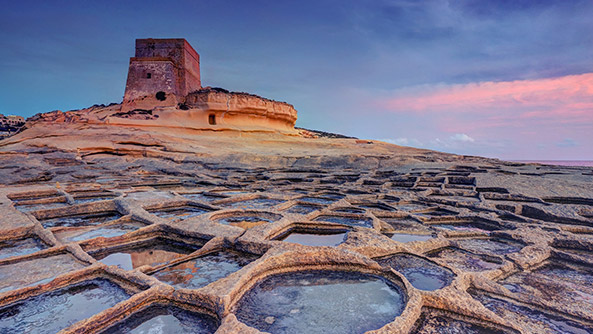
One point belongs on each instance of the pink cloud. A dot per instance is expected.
(545, 117)
(569, 96)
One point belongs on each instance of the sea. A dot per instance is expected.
(585, 163)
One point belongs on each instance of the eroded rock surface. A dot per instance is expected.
(186, 227)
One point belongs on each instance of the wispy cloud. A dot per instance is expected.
(563, 100)
(567, 142)
(403, 141)
(461, 137)
(571, 94)
(504, 118)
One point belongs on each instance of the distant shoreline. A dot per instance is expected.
(582, 163)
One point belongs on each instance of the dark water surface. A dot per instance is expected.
(422, 274)
(158, 319)
(56, 310)
(199, 272)
(321, 302)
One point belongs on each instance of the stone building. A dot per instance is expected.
(162, 73)
(164, 89)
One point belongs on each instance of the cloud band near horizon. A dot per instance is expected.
(548, 112)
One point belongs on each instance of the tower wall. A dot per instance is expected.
(171, 66)
(162, 78)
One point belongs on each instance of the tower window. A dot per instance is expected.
(212, 119)
(161, 96)
(148, 75)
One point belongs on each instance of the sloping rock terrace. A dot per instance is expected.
(458, 253)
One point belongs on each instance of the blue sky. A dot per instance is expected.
(506, 79)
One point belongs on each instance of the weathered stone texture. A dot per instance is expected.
(171, 66)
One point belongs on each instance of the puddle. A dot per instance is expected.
(490, 246)
(204, 197)
(302, 209)
(315, 237)
(254, 204)
(375, 206)
(56, 310)
(177, 214)
(533, 319)
(165, 319)
(81, 200)
(411, 207)
(465, 260)
(433, 323)
(567, 285)
(404, 237)
(422, 274)
(334, 196)
(293, 303)
(35, 207)
(317, 200)
(461, 227)
(468, 225)
(351, 221)
(82, 220)
(106, 232)
(36, 271)
(349, 210)
(10, 248)
(199, 272)
(233, 192)
(151, 252)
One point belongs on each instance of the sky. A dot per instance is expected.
(508, 79)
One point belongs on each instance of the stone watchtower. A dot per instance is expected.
(162, 73)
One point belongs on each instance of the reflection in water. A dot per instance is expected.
(411, 207)
(84, 220)
(422, 274)
(81, 200)
(53, 311)
(253, 204)
(204, 197)
(321, 302)
(151, 252)
(317, 238)
(162, 319)
(109, 231)
(197, 273)
(302, 209)
(317, 200)
(349, 210)
(350, 221)
(34, 207)
(10, 248)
